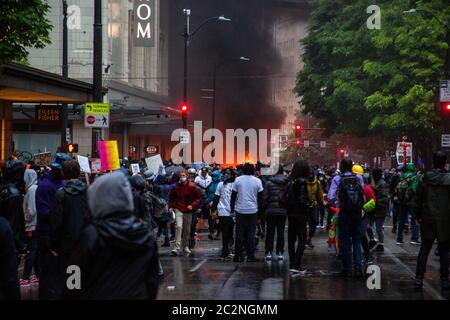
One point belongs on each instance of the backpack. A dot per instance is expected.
(351, 194)
(296, 196)
(159, 205)
(404, 190)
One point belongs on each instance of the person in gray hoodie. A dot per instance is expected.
(30, 215)
(117, 252)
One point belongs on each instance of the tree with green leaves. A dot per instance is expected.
(375, 82)
(23, 24)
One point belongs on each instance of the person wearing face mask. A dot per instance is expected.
(322, 210)
(184, 199)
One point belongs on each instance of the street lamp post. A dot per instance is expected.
(187, 35)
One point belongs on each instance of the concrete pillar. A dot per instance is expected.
(6, 137)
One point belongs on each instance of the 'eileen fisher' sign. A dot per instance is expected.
(144, 23)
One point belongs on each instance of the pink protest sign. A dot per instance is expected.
(109, 155)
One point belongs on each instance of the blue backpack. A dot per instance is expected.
(351, 194)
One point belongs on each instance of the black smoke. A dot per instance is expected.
(244, 90)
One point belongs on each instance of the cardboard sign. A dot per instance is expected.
(84, 164)
(400, 147)
(96, 165)
(43, 159)
(135, 168)
(153, 163)
(109, 155)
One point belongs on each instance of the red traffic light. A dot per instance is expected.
(298, 127)
(446, 107)
(341, 151)
(184, 108)
(297, 142)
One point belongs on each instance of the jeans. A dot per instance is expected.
(350, 235)
(425, 248)
(321, 215)
(226, 227)
(245, 234)
(403, 216)
(296, 231)
(395, 212)
(182, 230)
(30, 259)
(195, 218)
(277, 223)
(365, 225)
(312, 221)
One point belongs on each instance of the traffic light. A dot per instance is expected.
(445, 109)
(298, 131)
(184, 108)
(298, 143)
(72, 148)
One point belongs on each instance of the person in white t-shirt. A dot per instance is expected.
(245, 200)
(222, 202)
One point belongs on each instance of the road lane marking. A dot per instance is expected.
(198, 266)
(436, 295)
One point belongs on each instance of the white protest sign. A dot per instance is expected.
(96, 165)
(135, 168)
(153, 163)
(84, 164)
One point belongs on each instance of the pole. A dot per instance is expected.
(97, 68)
(186, 44)
(213, 120)
(65, 74)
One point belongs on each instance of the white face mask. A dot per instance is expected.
(183, 179)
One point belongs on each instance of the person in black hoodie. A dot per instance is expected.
(69, 213)
(275, 214)
(11, 200)
(9, 278)
(117, 252)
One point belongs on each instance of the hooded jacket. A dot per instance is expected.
(29, 202)
(272, 194)
(117, 252)
(433, 205)
(315, 192)
(11, 199)
(44, 196)
(68, 216)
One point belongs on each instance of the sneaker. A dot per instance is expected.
(175, 252)
(24, 282)
(280, 256)
(309, 244)
(415, 242)
(399, 243)
(300, 270)
(187, 250)
(269, 257)
(418, 283)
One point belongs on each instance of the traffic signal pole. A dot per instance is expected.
(187, 12)
(65, 74)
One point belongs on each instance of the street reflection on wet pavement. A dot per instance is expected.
(203, 275)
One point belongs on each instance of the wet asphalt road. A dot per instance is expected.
(202, 275)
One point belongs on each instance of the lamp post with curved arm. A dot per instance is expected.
(187, 35)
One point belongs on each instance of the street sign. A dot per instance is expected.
(306, 143)
(402, 148)
(445, 140)
(144, 27)
(96, 115)
(445, 91)
(68, 138)
(185, 137)
(323, 144)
